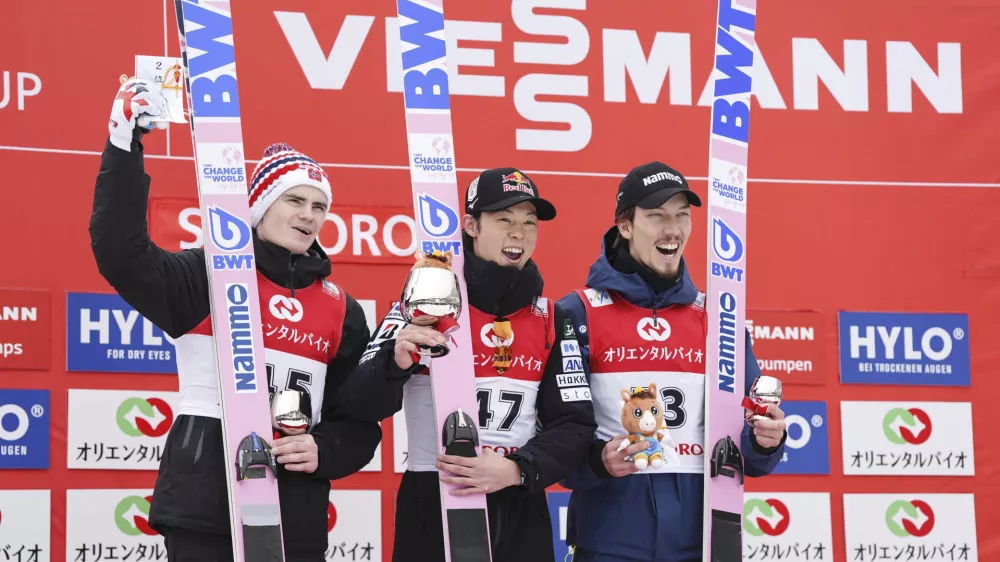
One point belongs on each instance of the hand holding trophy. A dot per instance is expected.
(431, 297)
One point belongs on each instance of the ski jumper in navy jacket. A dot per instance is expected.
(654, 515)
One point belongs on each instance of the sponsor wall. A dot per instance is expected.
(871, 273)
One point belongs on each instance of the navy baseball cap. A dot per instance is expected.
(650, 185)
(500, 188)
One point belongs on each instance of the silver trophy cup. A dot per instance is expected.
(765, 390)
(430, 294)
(291, 412)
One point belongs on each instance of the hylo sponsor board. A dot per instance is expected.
(105, 334)
(904, 348)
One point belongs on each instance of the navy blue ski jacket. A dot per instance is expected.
(661, 519)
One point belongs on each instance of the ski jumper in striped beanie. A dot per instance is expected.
(282, 168)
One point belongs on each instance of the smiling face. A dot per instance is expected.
(294, 220)
(505, 237)
(657, 237)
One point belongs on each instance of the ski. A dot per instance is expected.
(217, 139)
(726, 280)
(436, 209)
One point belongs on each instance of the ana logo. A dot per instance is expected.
(229, 232)
(911, 426)
(138, 417)
(653, 330)
(726, 243)
(286, 308)
(909, 518)
(765, 517)
(490, 339)
(436, 218)
(331, 516)
(132, 516)
(20, 429)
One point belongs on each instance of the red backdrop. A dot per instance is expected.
(887, 204)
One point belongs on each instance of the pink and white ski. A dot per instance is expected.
(436, 208)
(726, 290)
(217, 138)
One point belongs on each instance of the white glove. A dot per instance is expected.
(136, 101)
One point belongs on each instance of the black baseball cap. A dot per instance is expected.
(650, 185)
(500, 188)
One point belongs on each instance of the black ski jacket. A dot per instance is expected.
(171, 289)
(566, 429)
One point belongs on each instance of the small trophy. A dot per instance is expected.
(291, 412)
(431, 297)
(765, 390)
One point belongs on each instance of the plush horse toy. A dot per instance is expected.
(642, 417)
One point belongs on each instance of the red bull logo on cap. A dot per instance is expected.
(517, 182)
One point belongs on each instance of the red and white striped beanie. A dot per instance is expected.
(281, 169)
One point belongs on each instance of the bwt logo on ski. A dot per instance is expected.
(208, 56)
(902, 427)
(765, 517)
(731, 119)
(105, 334)
(230, 233)
(438, 220)
(728, 247)
(434, 163)
(24, 429)
(149, 417)
(423, 89)
(132, 513)
(913, 518)
(241, 337)
(904, 348)
(807, 447)
(727, 342)
(653, 330)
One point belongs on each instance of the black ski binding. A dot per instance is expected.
(727, 460)
(252, 456)
(461, 436)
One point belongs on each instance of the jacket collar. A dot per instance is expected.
(292, 271)
(631, 285)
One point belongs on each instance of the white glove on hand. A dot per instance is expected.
(136, 99)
